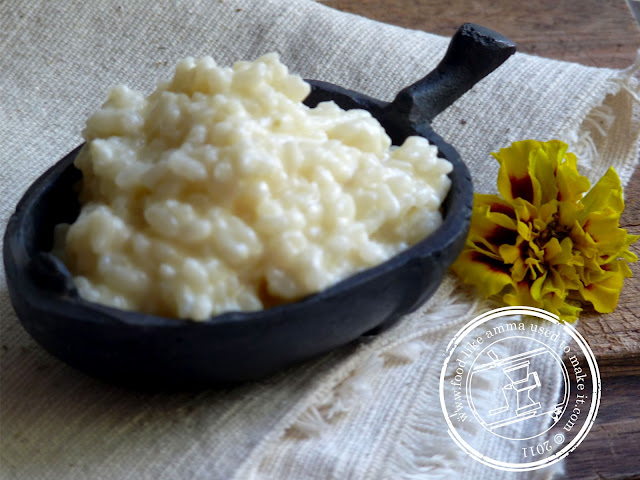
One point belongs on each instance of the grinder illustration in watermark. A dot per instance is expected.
(519, 389)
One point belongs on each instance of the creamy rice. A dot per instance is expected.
(222, 191)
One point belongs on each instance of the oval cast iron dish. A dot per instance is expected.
(148, 351)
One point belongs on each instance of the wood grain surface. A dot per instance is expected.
(596, 33)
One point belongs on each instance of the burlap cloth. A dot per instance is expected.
(363, 412)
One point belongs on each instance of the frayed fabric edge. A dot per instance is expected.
(348, 384)
(426, 453)
(405, 349)
(423, 452)
(599, 121)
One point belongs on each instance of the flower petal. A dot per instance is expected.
(489, 275)
(606, 194)
(556, 252)
(514, 177)
(604, 230)
(536, 287)
(571, 185)
(603, 297)
(544, 162)
(510, 253)
(501, 211)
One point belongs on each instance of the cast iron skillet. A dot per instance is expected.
(149, 351)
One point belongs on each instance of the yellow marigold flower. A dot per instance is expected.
(543, 242)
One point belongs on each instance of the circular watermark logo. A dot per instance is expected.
(519, 389)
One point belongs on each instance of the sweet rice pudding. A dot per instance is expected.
(221, 191)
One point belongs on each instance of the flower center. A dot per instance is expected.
(554, 229)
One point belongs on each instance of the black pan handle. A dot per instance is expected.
(474, 52)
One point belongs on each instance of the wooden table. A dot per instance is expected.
(596, 33)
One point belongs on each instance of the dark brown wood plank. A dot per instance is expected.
(591, 32)
(612, 448)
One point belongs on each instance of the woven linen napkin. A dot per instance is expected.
(364, 411)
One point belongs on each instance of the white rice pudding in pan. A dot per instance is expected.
(221, 191)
